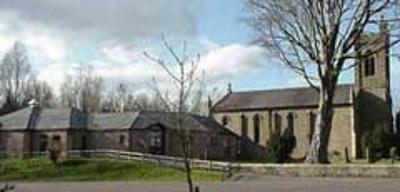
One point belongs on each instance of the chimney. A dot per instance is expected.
(33, 103)
(229, 87)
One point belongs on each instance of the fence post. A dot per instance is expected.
(229, 170)
(393, 154)
(346, 154)
(173, 161)
(368, 154)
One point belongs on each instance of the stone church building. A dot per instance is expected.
(359, 108)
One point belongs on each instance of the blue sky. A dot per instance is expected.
(222, 21)
(112, 35)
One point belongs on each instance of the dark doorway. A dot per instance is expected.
(156, 140)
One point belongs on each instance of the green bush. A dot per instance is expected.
(379, 143)
(279, 147)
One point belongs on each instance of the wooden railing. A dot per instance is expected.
(177, 162)
(332, 170)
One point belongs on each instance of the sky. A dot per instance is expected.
(111, 36)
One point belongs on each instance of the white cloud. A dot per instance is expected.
(41, 42)
(231, 60)
(105, 18)
(55, 74)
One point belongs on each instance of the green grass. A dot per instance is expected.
(94, 170)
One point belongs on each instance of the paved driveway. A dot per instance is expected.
(246, 183)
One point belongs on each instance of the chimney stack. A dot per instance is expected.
(229, 87)
(33, 103)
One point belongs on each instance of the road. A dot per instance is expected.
(246, 183)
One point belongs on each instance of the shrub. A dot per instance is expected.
(379, 143)
(272, 146)
(279, 147)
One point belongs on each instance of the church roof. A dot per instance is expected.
(279, 98)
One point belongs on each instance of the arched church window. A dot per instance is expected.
(244, 126)
(290, 121)
(369, 65)
(278, 123)
(256, 120)
(313, 118)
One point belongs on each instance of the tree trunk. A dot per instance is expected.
(188, 175)
(188, 170)
(318, 151)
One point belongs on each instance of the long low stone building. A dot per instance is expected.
(32, 129)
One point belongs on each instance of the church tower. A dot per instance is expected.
(372, 73)
(373, 103)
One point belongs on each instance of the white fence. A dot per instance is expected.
(177, 162)
(332, 170)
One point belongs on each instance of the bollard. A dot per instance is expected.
(197, 189)
(368, 155)
(346, 154)
(393, 154)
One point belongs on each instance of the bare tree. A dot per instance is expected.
(69, 92)
(41, 92)
(119, 98)
(15, 72)
(317, 40)
(176, 101)
(83, 90)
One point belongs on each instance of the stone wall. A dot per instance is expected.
(108, 139)
(306, 170)
(35, 139)
(12, 143)
(203, 145)
(341, 135)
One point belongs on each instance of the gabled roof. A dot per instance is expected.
(17, 120)
(102, 121)
(145, 119)
(71, 118)
(279, 98)
(36, 118)
(59, 118)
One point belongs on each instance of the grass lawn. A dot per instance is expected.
(81, 169)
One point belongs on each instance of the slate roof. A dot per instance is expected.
(43, 119)
(71, 118)
(193, 122)
(102, 121)
(17, 120)
(279, 98)
(54, 119)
